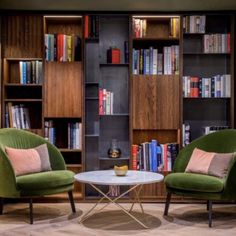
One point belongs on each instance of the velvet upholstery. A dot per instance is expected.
(200, 186)
(57, 180)
(220, 142)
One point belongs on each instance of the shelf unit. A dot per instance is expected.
(155, 92)
(22, 101)
(63, 93)
(208, 56)
(101, 129)
(147, 105)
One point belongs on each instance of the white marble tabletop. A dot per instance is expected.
(108, 177)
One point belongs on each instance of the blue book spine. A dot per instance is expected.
(24, 72)
(151, 60)
(154, 155)
(159, 155)
(150, 157)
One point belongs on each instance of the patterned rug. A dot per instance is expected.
(57, 220)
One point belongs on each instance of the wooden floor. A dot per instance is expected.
(57, 220)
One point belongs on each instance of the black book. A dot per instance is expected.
(77, 48)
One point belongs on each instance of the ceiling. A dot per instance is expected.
(120, 5)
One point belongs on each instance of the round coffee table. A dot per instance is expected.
(134, 179)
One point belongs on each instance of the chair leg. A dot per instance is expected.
(168, 198)
(1, 205)
(72, 203)
(210, 212)
(207, 205)
(31, 210)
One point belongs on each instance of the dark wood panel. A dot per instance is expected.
(155, 102)
(22, 36)
(162, 136)
(144, 102)
(63, 89)
(64, 25)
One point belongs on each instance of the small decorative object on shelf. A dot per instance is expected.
(114, 151)
(113, 55)
(121, 170)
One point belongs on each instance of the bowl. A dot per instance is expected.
(121, 170)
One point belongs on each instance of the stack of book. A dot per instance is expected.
(75, 135)
(153, 62)
(139, 28)
(212, 129)
(91, 26)
(218, 86)
(194, 24)
(61, 47)
(106, 102)
(151, 156)
(17, 116)
(216, 43)
(31, 72)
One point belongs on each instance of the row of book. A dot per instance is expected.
(212, 129)
(186, 134)
(218, 86)
(31, 72)
(61, 47)
(216, 43)
(91, 26)
(106, 102)
(186, 131)
(140, 27)
(74, 134)
(17, 116)
(151, 62)
(151, 156)
(194, 24)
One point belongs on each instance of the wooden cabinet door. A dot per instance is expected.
(63, 89)
(155, 102)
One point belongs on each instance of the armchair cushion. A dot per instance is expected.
(24, 161)
(194, 182)
(27, 161)
(209, 163)
(44, 157)
(45, 180)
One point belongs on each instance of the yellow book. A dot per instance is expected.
(69, 47)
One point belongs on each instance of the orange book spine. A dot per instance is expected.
(134, 157)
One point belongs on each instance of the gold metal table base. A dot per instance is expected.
(136, 188)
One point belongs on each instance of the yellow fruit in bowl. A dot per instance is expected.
(121, 170)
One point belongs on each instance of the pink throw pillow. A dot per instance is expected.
(24, 161)
(209, 163)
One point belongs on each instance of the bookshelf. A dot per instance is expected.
(63, 93)
(155, 92)
(22, 96)
(208, 74)
(106, 94)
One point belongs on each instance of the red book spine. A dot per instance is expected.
(195, 87)
(101, 108)
(86, 26)
(60, 47)
(134, 156)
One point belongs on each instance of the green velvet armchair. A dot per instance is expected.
(57, 180)
(201, 186)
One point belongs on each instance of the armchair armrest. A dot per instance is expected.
(7, 178)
